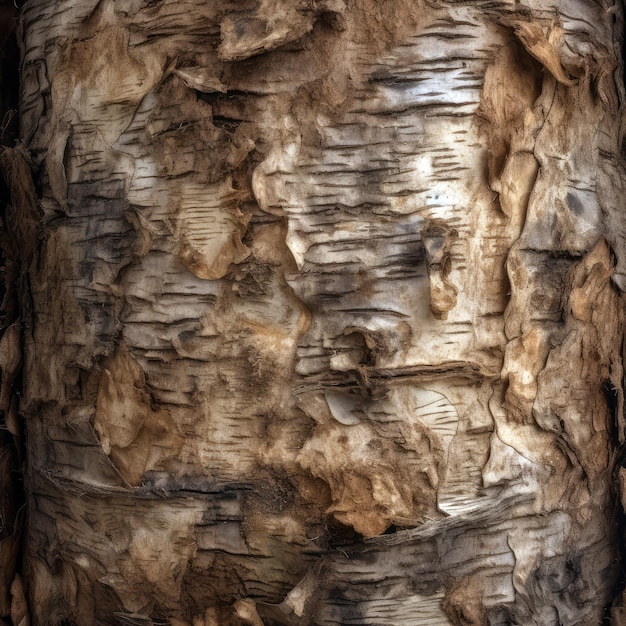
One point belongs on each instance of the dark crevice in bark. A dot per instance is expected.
(620, 532)
(9, 73)
(12, 498)
(340, 535)
(611, 395)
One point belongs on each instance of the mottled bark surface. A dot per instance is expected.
(326, 315)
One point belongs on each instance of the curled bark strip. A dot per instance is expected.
(543, 48)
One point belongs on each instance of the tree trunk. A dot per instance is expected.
(321, 312)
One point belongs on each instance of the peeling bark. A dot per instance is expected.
(327, 312)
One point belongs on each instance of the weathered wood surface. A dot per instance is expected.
(327, 311)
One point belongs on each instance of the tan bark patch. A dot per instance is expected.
(136, 436)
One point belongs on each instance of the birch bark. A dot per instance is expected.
(325, 311)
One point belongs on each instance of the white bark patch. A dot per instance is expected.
(209, 230)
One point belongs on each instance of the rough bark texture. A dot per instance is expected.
(326, 316)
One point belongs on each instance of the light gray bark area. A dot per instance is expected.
(327, 317)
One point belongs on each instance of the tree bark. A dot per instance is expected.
(321, 310)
